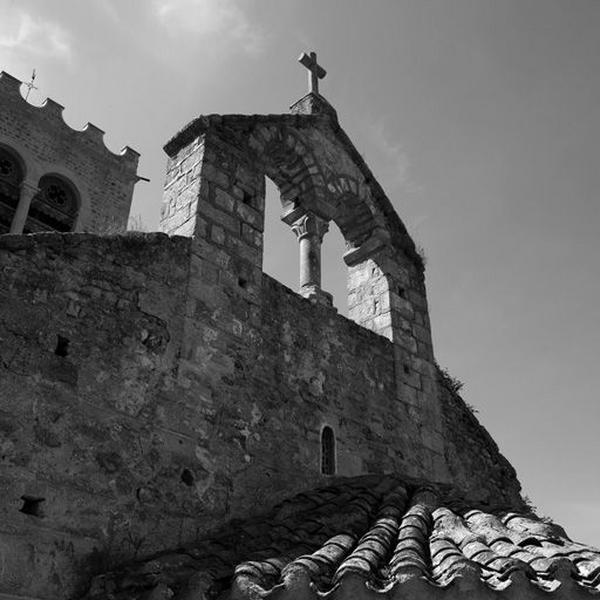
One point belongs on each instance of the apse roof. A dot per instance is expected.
(370, 537)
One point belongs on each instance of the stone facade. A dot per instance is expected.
(44, 145)
(156, 386)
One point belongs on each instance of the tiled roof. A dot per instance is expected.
(370, 538)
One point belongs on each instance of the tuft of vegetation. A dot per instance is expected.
(532, 508)
(529, 505)
(452, 383)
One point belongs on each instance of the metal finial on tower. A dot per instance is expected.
(30, 85)
(315, 71)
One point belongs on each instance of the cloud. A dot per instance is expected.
(23, 33)
(221, 20)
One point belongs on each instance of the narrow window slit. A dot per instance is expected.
(327, 451)
(62, 346)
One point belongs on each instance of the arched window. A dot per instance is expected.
(327, 451)
(11, 177)
(54, 207)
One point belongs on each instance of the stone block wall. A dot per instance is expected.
(215, 192)
(154, 387)
(47, 145)
(88, 411)
(387, 295)
(146, 396)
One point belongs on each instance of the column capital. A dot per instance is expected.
(310, 224)
(29, 187)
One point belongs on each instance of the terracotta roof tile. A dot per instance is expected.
(370, 536)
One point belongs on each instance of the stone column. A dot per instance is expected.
(28, 191)
(310, 229)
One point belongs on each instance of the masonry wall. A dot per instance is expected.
(88, 331)
(139, 431)
(215, 192)
(47, 145)
(153, 387)
(475, 464)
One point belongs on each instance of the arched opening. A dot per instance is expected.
(54, 207)
(281, 252)
(327, 451)
(280, 247)
(334, 272)
(336, 213)
(11, 178)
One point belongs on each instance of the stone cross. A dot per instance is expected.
(315, 71)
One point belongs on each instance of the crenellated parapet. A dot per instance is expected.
(99, 180)
(52, 112)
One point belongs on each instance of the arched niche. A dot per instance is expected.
(12, 174)
(54, 207)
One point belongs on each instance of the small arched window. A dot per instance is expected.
(11, 177)
(327, 451)
(54, 207)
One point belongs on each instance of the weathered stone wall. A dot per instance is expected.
(474, 461)
(47, 145)
(215, 192)
(89, 330)
(152, 387)
(140, 430)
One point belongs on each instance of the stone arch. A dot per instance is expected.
(29, 163)
(289, 160)
(13, 172)
(354, 214)
(55, 207)
(286, 155)
(11, 149)
(284, 158)
(320, 178)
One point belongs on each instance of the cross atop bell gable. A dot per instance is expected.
(313, 103)
(315, 71)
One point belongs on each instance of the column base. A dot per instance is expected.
(317, 295)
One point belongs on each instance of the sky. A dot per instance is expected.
(481, 120)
